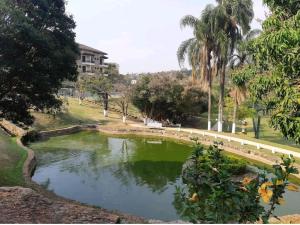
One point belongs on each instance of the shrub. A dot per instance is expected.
(212, 196)
(30, 136)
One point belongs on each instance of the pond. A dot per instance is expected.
(133, 175)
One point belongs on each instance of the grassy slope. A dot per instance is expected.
(87, 113)
(12, 158)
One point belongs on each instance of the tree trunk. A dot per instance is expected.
(105, 104)
(234, 113)
(256, 126)
(193, 71)
(209, 74)
(221, 98)
(204, 62)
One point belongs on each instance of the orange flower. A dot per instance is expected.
(246, 180)
(263, 191)
(194, 198)
(266, 184)
(292, 187)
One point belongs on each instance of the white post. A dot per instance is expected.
(105, 113)
(233, 128)
(220, 127)
(124, 119)
(145, 121)
(209, 125)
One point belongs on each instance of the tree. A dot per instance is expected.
(241, 55)
(190, 49)
(124, 99)
(227, 17)
(37, 52)
(166, 98)
(81, 87)
(276, 53)
(199, 50)
(239, 78)
(100, 86)
(241, 74)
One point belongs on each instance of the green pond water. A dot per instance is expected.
(134, 175)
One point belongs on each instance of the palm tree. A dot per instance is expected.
(228, 16)
(189, 49)
(200, 47)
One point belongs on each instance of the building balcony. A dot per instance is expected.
(91, 63)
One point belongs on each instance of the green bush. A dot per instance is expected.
(30, 136)
(212, 196)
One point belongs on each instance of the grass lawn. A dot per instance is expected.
(267, 134)
(87, 113)
(12, 158)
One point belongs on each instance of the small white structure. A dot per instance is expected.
(133, 82)
(153, 124)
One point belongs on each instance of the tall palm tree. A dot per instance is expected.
(200, 47)
(228, 16)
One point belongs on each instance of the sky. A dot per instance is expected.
(140, 35)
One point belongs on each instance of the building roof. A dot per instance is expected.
(87, 48)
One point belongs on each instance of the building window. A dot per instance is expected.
(83, 58)
(83, 69)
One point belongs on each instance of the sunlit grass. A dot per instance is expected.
(12, 158)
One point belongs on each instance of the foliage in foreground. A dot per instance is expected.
(276, 53)
(213, 196)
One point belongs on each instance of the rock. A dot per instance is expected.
(24, 205)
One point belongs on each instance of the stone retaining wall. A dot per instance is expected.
(68, 130)
(12, 128)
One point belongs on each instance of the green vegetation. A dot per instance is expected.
(213, 196)
(74, 114)
(276, 56)
(38, 51)
(168, 99)
(12, 158)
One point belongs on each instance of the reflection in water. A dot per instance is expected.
(127, 174)
(132, 175)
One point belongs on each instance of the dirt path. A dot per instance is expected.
(23, 205)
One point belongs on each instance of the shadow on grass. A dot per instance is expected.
(48, 121)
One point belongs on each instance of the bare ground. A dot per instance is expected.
(23, 205)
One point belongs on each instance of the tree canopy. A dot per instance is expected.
(276, 53)
(37, 52)
(166, 97)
